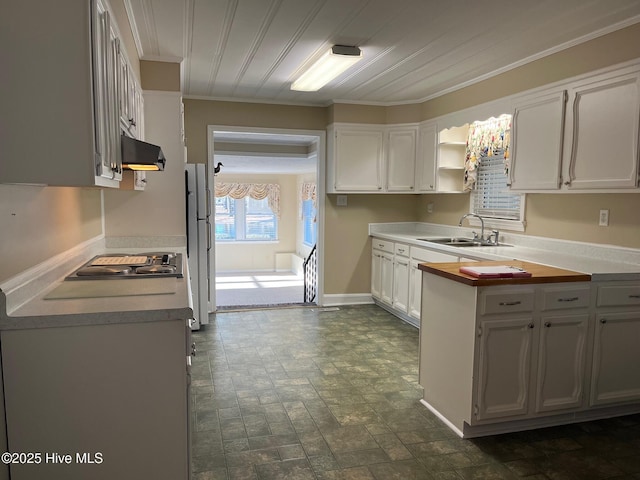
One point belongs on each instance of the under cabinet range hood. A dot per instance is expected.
(139, 155)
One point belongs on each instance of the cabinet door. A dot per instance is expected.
(124, 90)
(616, 357)
(426, 161)
(561, 362)
(401, 284)
(386, 278)
(376, 273)
(604, 128)
(102, 52)
(536, 143)
(358, 160)
(504, 362)
(415, 289)
(401, 160)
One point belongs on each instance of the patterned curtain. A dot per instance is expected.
(484, 139)
(257, 191)
(308, 192)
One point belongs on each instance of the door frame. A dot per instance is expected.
(320, 192)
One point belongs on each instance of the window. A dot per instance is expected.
(309, 223)
(486, 174)
(491, 196)
(245, 219)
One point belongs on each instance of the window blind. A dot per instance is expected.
(491, 196)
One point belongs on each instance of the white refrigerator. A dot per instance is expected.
(199, 241)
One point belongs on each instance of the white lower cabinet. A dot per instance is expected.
(616, 352)
(401, 278)
(497, 358)
(504, 364)
(113, 397)
(382, 270)
(561, 367)
(531, 350)
(396, 281)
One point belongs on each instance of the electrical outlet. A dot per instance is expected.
(341, 201)
(604, 218)
(430, 207)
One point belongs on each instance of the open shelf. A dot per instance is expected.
(452, 146)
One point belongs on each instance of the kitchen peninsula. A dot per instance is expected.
(98, 370)
(507, 354)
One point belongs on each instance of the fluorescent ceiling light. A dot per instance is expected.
(327, 67)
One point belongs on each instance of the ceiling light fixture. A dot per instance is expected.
(327, 67)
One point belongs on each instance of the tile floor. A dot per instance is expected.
(329, 394)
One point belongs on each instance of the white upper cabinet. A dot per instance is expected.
(371, 158)
(603, 128)
(581, 137)
(426, 160)
(401, 159)
(536, 142)
(65, 101)
(355, 159)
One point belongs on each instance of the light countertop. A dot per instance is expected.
(87, 302)
(602, 262)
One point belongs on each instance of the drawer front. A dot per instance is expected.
(384, 245)
(619, 295)
(402, 250)
(559, 298)
(507, 302)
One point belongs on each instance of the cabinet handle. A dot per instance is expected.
(634, 296)
(603, 321)
(571, 299)
(401, 250)
(567, 182)
(531, 325)
(132, 122)
(547, 324)
(510, 304)
(381, 245)
(193, 349)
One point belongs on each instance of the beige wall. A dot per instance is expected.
(347, 247)
(563, 216)
(162, 76)
(261, 256)
(199, 114)
(616, 47)
(37, 223)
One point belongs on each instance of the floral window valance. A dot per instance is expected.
(257, 191)
(308, 192)
(486, 138)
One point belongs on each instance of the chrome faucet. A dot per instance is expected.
(475, 235)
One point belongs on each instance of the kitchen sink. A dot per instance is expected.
(459, 242)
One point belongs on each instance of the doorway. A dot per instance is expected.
(268, 216)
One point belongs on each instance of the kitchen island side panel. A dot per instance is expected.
(447, 346)
(118, 390)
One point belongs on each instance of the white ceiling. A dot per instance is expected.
(413, 49)
(251, 50)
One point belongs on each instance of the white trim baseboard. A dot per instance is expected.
(338, 299)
